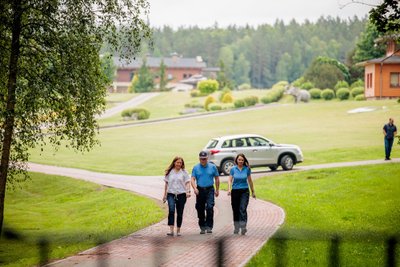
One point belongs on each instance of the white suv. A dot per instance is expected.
(259, 151)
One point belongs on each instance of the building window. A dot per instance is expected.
(169, 76)
(395, 79)
(369, 80)
(185, 76)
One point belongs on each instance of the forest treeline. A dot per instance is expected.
(266, 54)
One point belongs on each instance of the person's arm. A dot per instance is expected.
(384, 130)
(165, 192)
(253, 193)
(187, 185)
(230, 179)
(216, 185)
(194, 185)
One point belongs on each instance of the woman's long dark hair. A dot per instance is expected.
(246, 162)
(172, 165)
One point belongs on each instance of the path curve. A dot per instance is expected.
(128, 104)
(150, 246)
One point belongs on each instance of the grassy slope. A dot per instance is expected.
(74, 215)
(324, 131)
(351, 200)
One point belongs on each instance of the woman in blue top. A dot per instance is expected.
(238, 189)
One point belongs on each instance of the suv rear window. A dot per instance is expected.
(212, 143)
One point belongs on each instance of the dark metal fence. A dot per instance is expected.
(279, 242)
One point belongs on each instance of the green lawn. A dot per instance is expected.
(73, 215)
(172, 104)
(351, 201)
(324, 130)
(114, 99)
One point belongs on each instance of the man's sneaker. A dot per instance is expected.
(209, 231)
(244, 231)
(236, 232)
(202, 231)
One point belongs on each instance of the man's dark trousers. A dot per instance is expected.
(205, 207)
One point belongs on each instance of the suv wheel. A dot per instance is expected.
(227, 165)
(287, 162)
(273, 168)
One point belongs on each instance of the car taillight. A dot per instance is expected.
(214, 151)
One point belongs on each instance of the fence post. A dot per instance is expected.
(43, 251)
(220, 255)
(391, 252)
(334, 252)
(280, 251)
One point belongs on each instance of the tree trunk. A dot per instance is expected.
(10, 108)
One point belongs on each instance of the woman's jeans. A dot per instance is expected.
(239, 202)
(176, 201)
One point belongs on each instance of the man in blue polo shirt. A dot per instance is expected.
(203, 176)
(389, 131)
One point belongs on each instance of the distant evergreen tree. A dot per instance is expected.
(145, 82)
(163, 78)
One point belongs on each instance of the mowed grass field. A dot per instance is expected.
(72, 215)
(358, 204)
(324, 130)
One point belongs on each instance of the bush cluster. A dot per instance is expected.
(273, 95)
(136, 113)
(357, 91)
(315, 93)
(359, 98)
(210, 99)
(328, 94)
(343, 93)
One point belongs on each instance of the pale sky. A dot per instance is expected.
(205, 13)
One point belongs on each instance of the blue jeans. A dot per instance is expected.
(388, 147)
(178, 202)
(205, 207)
(239, 202)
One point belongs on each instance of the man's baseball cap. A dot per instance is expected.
(203, 154)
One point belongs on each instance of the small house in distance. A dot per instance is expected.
(177, 69)
(382, 75)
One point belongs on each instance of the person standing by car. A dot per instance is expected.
(176, 191)
(238, 188)
(203, 176)
(389, 131)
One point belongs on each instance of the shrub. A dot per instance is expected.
(207, 87)
(239, 103)
(244, 86)
(210, 99)
(341, 84)
(228, 98)
(315, 93)
(358, 83)
(194, 104)
(280, 84)
(359, 98)
(214, 106)
(343, 93)
(194, 93)
(136, 113)
(223, 92)
(357, 91)
(250, 100)
(307, 85)
(267, 99)
(328, 94)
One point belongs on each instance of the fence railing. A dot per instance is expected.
(279, 243)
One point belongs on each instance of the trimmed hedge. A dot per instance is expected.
(136, 113)
(315, 93)
(328, 94)
(360, 98)
(357, 91)
(343, 93)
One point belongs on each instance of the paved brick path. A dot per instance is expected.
(151, 246)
